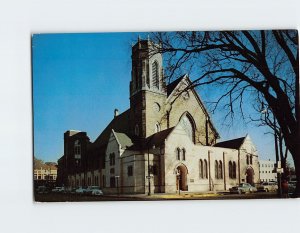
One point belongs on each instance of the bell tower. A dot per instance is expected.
(147, 89)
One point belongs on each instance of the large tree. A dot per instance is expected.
(257, 66)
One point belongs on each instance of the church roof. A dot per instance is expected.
(156, 139)
(119, 124)
(123, 139)
(171, 86)
(233, 144)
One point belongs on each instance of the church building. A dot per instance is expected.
(165, 142)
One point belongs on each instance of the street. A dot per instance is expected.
(62, 197)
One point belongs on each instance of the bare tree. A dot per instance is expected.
(243, 64)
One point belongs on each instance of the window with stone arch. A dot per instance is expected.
(178, 153)
(201, 169)
(216, 169)
(230, 169)
(136, 130)
(186, 121)
(183, 153)
(77, 148)
(234, 170)
(220, 170)
(155, 74)
(157, 127)
(205, 172)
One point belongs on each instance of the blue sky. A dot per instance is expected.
(78, 81)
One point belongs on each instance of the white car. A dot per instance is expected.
(90, 189)
(97, 192)
(80, 191)
(267, 187)
(58, 190)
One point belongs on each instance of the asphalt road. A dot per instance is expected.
(59, 197)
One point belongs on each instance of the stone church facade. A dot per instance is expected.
(165, 141)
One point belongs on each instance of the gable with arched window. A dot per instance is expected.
(155, 74)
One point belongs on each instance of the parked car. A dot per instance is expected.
(80, 191)
(292, 186)
(97, 192)
(72, 191)
(267, 187)
(90, 189)
(243, 188)
(42, 190)
(58, 190)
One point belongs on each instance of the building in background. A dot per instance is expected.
(267, 170)
(165, 142)
(44, 174)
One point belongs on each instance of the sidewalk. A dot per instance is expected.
(183, 195)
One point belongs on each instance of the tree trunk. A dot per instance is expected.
(297, 171)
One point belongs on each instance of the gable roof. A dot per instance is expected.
(123, 139)
(156, 139)
(171, 86)
(120, 124)
(232, 144)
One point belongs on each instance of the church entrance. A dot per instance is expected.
(181, 178)
(250, 176)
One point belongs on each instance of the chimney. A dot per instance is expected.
(116, 113)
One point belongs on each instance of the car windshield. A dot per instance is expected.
(264, 183)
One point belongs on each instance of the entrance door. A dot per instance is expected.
(250, 176)
(181, 178)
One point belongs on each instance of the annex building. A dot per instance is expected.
(164, 142)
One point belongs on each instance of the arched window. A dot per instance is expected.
(216, 169)
(136, 130)
(178, 153)
(157, 127)
(251, 159)
(201, 169)
(230, 169)
(183, 154)
(247, 159)
(233, 170)
(112, 159)
(77, 149)
(155, 75)
(187, 124)
(205, 174)
(220, 171)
